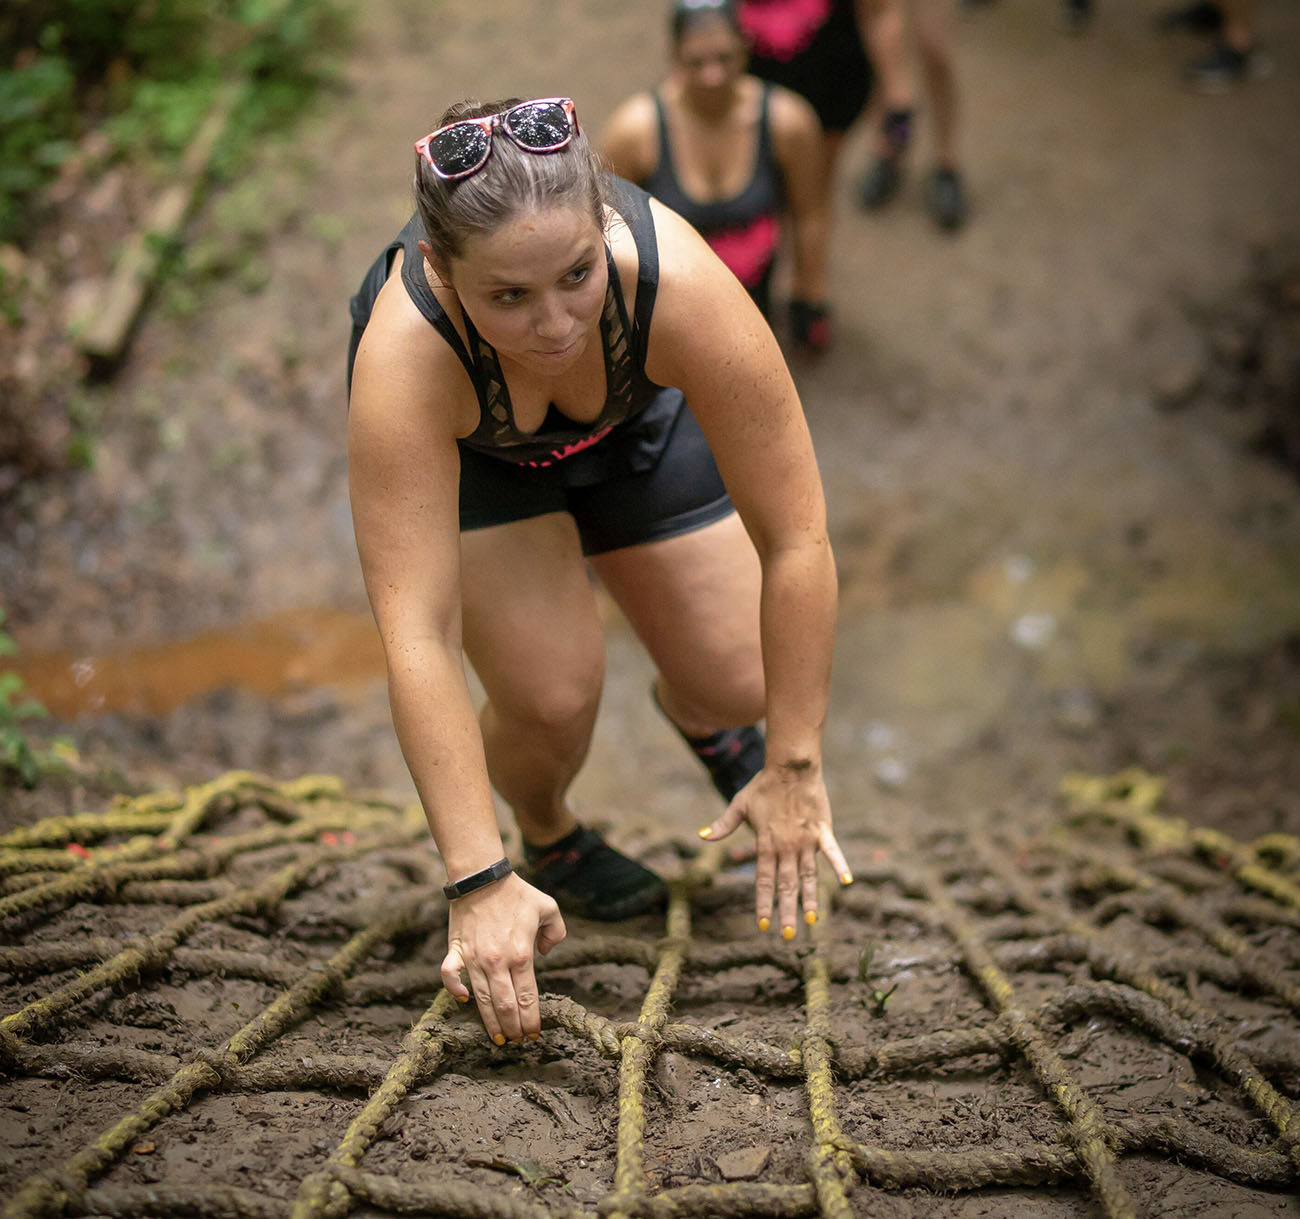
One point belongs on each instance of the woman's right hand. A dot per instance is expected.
(490, 935)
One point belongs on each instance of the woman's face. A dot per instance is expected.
(535, 287)
(709, 57)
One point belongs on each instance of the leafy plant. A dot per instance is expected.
(147, 71)
(36, 119)
(17, 757)
(879, 998)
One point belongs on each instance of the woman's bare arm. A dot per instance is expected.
(708, 339)
(404, 471)
(798, 144)
(404, 476)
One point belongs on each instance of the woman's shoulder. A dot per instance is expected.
(634, 114)
(789, 113)
(404, 362)
(629, 140)
(683, 261)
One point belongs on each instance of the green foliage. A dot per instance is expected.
(83, 415)
(36, 117)
(1289, 714)
(879, 998)
(18, 760)
(147, 71)
(162, 116)
(11, 284)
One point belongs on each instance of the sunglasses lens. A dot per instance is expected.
(538, 125)
(459, 149)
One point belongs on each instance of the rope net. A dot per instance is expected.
(230, 997)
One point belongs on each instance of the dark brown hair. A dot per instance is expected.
(512, 181)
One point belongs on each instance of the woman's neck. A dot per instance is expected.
(714, 109)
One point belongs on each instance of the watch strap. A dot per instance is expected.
(476, 880)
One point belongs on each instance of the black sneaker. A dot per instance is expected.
(1199, 17)
(589, 878)
(1076, 15)
(879, 184)
(1224, 67)
(947, 199)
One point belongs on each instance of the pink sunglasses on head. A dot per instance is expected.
(463, 147)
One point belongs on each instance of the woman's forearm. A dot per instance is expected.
(810, 227)
(438, 730)
(798, 628)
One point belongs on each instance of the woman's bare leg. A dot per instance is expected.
(533, 635)
(694, 602)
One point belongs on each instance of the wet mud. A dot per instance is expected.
(221, 1005)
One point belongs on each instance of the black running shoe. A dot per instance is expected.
(947, 199)
(1076, 15)
(1224, 67)
(1199, 17)
(880, 184)
(589, 878)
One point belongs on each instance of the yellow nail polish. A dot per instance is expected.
(463, 998)
(706, 832)
(499, 1040)
(534, 1036)
(810, 917)
(846, 878)
(787, 933)
(764, 924)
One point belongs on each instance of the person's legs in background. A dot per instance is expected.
(885, 26)
(1234, 57)
(884, 31)
(945, 193)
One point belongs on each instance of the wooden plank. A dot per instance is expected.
(102, 328)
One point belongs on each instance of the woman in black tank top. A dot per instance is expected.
(737, 158)
(523, 355)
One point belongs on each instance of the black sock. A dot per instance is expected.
(897, 125)
(589, 878)
(732, 757)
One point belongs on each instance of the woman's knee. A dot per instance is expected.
(714, 698)
(560, 713)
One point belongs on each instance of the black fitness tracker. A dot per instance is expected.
(476, 880)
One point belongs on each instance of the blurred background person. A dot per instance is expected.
(1234, 57)
(815, 48)
(887, 25)
(1076, 15)
(739, 158)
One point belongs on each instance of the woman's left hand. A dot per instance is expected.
(790, 814)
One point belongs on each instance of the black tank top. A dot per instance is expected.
(743, 230)
(636, 409)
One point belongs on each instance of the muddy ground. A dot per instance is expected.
(1066, 542)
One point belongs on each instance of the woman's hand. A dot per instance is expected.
(791, 818)
(491, 934)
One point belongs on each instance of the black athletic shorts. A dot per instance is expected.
(832, 73)
(681, 492)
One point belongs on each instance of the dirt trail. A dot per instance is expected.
(984, 423)
(1040, 572)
